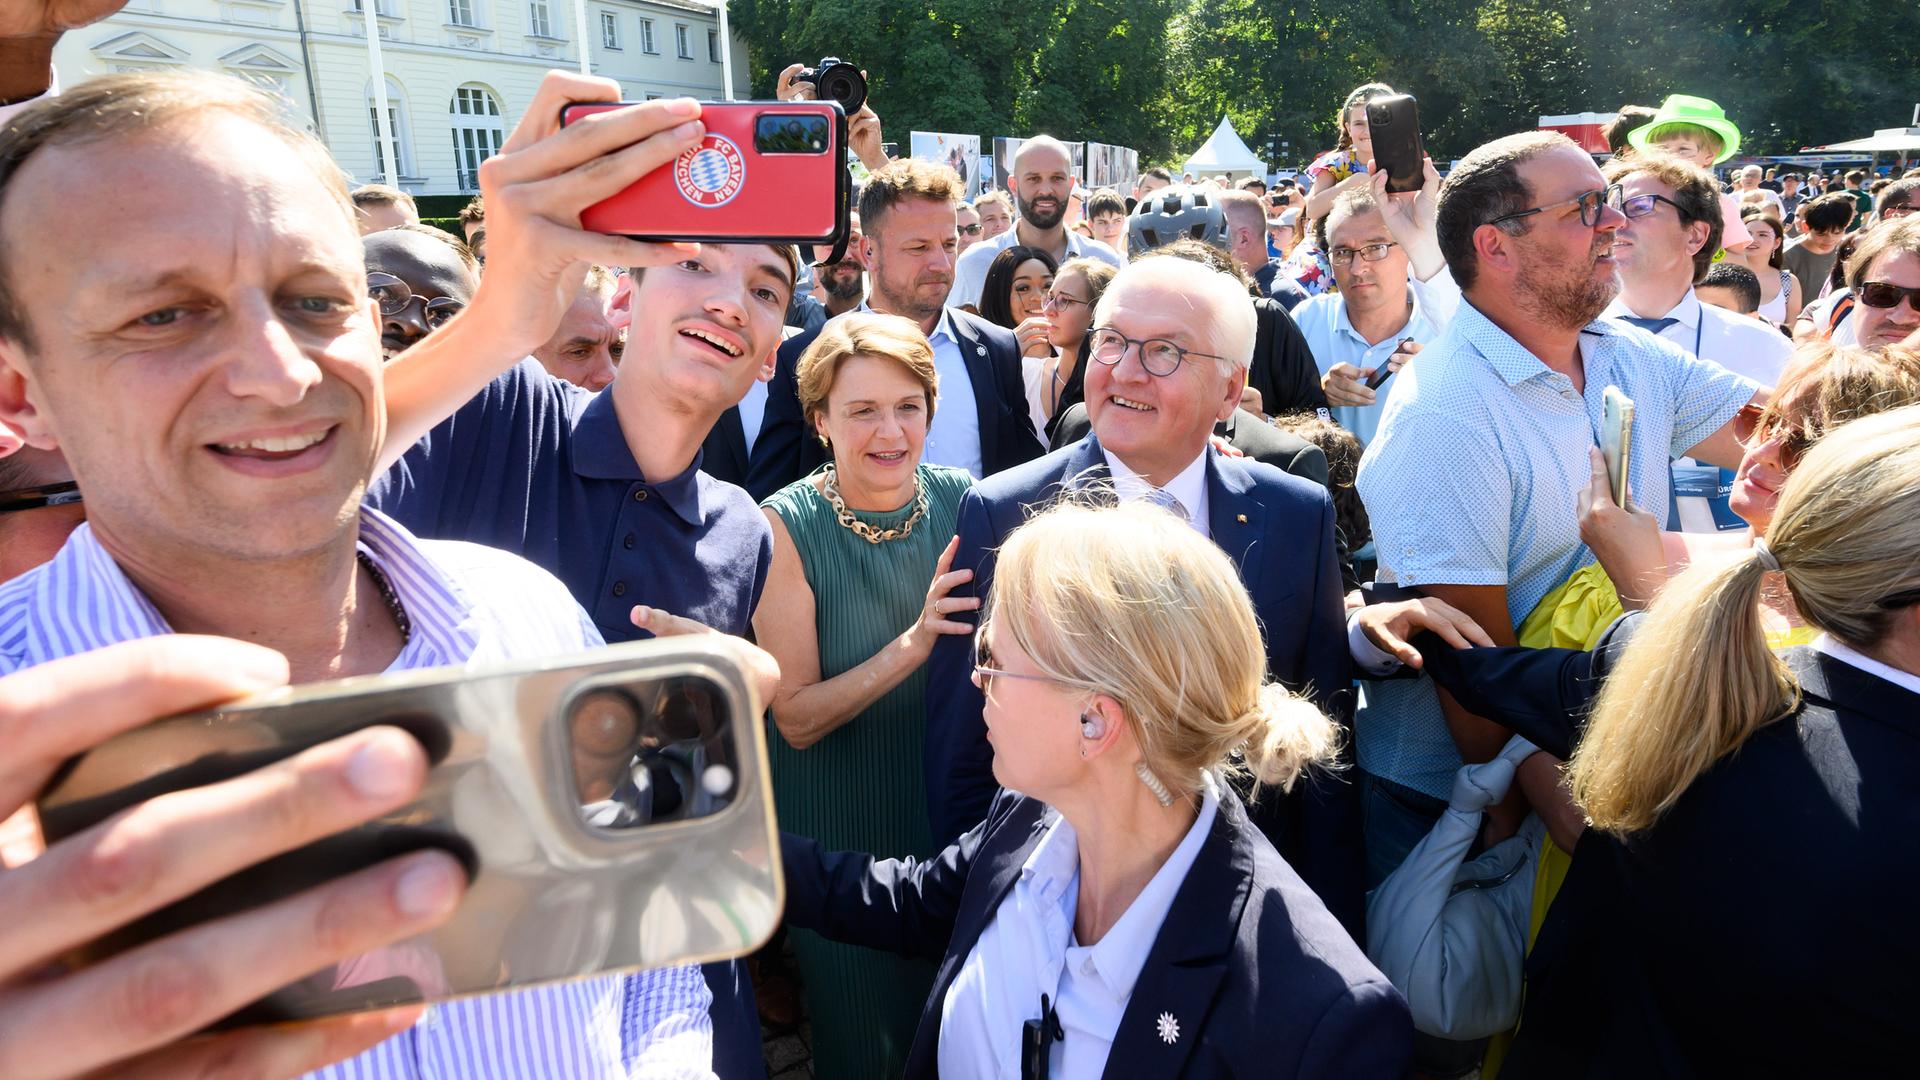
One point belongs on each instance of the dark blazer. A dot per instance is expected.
(1764, 926)
(1243, 431)
(1278, 529)
(1283, 368)
(1261, 980)
(786, 450)
(723, 455)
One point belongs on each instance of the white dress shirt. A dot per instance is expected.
(1743, 346)
(970, 270)
(1028, 949)
(1189, 487)
(1852, 657)
(753, 412)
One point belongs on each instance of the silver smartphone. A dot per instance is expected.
(1616, 440)
(612, 809)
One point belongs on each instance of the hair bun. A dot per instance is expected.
(1286, 734)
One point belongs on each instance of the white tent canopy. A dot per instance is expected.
(1883, 141)
(1224, 152)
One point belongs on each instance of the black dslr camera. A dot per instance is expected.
(834, 79)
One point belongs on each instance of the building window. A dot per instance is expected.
(477, 132)
(539, 18)
(397, 125)
(646, 37)
(680, 40)
(609, 30)
(713, 45)
(460, 13)
(387, 9)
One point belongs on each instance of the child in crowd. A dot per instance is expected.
(1697, 130)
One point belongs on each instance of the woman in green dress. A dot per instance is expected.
(856, 597)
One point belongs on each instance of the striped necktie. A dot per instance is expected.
(1164, 499)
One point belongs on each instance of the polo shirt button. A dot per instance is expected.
(640, 495)
(627, 542)
(619, 588)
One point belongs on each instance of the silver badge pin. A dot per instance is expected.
(1169, 1029)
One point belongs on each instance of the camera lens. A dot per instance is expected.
(604, 722)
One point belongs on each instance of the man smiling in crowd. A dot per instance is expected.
(1042, 181)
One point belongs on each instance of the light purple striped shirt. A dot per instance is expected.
(469, 605)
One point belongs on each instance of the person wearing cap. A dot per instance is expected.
(1283, 231)
(1042, 182)
(1697, 130)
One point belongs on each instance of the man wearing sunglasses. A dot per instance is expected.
(1483, 450)
(1169, 350)
(1884, 274)
(1665, 246)
(421, 277)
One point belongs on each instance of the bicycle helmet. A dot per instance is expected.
(1174, 212)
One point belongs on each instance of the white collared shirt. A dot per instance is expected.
(1028, 949)
(970, 270)
(1330, 335)
(953, 436)
(1853, 657)
(1743, 346)
(1190, 487)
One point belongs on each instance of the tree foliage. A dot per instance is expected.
(1157, 75)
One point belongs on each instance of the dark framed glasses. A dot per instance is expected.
(1589, 203)
(1754, 425)
(1640, 206)
(1158, 355)
(1341, 256)
(394, 298)
(1885, 294)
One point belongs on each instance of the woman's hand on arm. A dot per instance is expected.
(1626, 541)
(538, 254)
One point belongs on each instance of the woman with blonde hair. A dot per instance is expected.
(857, 594)
(1741, 903)
(1117, 908)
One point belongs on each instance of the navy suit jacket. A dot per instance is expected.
(1278, 529)
(787, 449)
(1259, 978)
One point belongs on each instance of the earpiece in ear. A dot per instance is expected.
(1090, 727)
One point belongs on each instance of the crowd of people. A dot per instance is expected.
(1198, 630)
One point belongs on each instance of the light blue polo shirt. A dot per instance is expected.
(1330, 335)
(1473, 477)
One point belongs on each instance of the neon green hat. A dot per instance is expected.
(1698, 111)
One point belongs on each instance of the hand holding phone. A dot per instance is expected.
(1401, 354)
(1616, 441)
(93, 884)
(1397, 147)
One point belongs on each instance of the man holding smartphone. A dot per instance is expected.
(220, 400)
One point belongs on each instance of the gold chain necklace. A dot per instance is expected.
(831, 488)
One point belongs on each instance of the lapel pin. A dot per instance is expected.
(1169, 1029)
(1241, 518)
(980, 350)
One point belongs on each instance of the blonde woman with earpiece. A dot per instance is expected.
(1741, 903)
(1116, 913)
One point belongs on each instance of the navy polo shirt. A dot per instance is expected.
(539, 467)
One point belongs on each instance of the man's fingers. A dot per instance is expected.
(1473, 632)
(55, 710)
(556, 91)
(176, 844)
(281, 1050)
(161, 991)
(562, 197)
(667, 624)
(585, 140)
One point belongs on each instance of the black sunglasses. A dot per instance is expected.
(1885, 294)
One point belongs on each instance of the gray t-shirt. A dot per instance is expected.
(1810, 267)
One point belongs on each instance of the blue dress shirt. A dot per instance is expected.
(468, 605)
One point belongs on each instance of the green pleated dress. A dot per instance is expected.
(861, 787)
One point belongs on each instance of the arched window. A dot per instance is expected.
(402, 140)
(477, 132)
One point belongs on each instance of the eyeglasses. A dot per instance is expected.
(1885, 294)
(1641, 205)
(1589, 203)
(395, 298)
(1341, 256)
(1158, 355)
(984, 670)
(1059, 300)
(1755, 425)
(970, 230)
(1897, 211)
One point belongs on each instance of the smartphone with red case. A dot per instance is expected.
(765, 172)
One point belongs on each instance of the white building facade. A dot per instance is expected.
(458, 72)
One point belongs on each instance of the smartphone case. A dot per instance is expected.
(1394, 124)
(725, 190)
(560, 886)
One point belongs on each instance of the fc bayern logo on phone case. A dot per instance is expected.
(712, 173)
